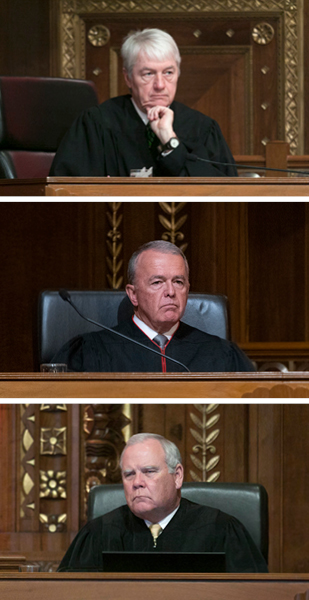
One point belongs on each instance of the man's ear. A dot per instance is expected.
(178, 476)
(126, 77)
(130, 289)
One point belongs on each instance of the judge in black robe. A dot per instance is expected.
(194, 528)
(110, 140)
(198, 351)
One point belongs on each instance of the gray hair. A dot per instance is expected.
(155, 43)
(172, 454)
(158, 246)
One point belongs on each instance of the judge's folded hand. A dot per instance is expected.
(161, 122)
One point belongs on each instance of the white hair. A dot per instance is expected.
(158, 246)
(172, 454)
(154, 43)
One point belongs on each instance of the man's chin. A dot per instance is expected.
(156, 102)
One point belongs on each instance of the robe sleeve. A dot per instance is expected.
(239, 362)
(82, 151)
(241, 553)
(84, 354)
(208, 143)
(85, 552)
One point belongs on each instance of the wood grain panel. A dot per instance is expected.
(44, 246)
(24, 38)
(277, 263)
(8, 473)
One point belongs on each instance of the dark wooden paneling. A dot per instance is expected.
(277, 270)
(295, 492)
(25, 37)
(44, 245)
(8, 450)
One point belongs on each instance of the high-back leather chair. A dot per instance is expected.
(248, 502)
(35, 113)
(58, 322)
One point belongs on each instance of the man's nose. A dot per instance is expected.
(159, 81)
(138, 480)
(169, 289)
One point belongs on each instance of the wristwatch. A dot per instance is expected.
(172, 144)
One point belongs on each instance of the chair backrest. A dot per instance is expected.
(248, 502)
(35, 113)
(58, 322)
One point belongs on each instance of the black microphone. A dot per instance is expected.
(65, 295)
(194, 158)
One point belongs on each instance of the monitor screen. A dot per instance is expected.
(163, 562)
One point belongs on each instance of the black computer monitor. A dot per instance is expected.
(163, 562)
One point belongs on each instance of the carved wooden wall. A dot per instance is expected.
(52, 455)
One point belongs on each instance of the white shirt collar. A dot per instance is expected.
(150, 332)
(142, 115)
(164, 521)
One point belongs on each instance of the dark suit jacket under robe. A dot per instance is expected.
(105, 352)
(110, 140)
(194, 528)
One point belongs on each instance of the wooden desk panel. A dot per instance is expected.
(9, 562)
(155, 385)
(156, 186)
(59, 586)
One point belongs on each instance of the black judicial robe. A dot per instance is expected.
(104, 352)
(110, 140)
(194, 528)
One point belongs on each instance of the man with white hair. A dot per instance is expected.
(147, 131)
(157, 519)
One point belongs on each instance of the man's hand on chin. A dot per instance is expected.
(161, 120)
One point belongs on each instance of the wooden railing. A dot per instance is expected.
(277, 156)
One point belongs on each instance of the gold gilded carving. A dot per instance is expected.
(114, 246)
(53, 523)
(27, 459)
(53, 407)
(27, 440)
(263, 33)
(104, 442)
(205, 435)
(171, 224)
(53, 484)
(53, 440)
(27, 484)
(99, 35)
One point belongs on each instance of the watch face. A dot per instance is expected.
(174, 143)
